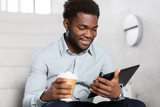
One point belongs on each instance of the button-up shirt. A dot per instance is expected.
(54, 58)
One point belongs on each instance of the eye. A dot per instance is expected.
(94, 29)
(81, 28)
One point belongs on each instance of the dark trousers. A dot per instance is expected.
(123, 103)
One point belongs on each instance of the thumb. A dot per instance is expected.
(116, 74)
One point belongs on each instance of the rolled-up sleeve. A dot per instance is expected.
(36, 82)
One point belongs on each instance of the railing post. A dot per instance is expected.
(51, 6)
(34, 6)
(4, 5)
(19, 6)
(0, 5)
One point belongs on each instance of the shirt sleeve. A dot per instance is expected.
(36, 82)
(124, 94)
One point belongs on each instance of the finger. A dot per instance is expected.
(105, 81)
(116, 74)
(102, 86)
(63, 86)
(64, 92)
(61, 96)
(61, 80)
(99, 91)
(96, 92)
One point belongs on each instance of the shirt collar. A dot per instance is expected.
(64, 48)
(62, 45)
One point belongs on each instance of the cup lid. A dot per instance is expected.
(67, 75)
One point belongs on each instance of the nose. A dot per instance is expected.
(88, 34)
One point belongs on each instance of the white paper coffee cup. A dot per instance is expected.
(71, 80)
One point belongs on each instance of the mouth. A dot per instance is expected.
(86, 42)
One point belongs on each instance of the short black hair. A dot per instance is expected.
(72, 7)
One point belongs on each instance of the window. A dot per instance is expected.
(26, 6)
(31, 6)
(43, 6)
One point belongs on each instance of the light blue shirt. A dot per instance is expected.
(54, 58)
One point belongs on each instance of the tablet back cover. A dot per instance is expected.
(126, 74)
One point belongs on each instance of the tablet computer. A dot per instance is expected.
(124, 76)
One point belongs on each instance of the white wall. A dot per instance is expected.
(146, 82)
(21, 35)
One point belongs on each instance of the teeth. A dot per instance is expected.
(85, 42)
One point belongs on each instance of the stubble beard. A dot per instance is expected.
(73, 42)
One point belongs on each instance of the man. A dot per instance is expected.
(75, 52)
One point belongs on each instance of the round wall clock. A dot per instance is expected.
(132, 29)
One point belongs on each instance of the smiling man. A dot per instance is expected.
(80, 32)
(75, 52)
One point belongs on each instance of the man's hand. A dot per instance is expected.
(57, 90)
(107, 88)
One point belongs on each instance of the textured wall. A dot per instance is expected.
(146, 82)
(21, 35)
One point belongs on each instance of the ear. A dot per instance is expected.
(66, 24)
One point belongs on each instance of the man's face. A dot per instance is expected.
(82, 31)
